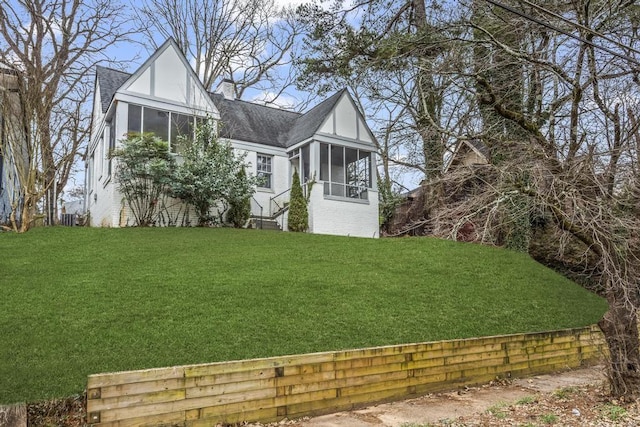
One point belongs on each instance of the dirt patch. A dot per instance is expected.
(69, 412)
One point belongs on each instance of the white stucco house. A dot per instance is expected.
(330, 142)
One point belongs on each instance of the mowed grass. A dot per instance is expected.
(81, 301)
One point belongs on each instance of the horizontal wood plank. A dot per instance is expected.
(231, 377)
(141, 388)
(128, 377)
(269, 389)
(126, 401)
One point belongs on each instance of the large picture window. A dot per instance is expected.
(166, 125)
(156, 121)
(264, 171)
(346, 172)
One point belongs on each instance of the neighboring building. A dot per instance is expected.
(11, 144)
(409, 216)
(331, 143)
(468, 152)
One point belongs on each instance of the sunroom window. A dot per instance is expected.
(166, 125)
(300, 159)
(346, 172)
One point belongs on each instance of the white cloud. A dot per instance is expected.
(285, 102)
(289, 3)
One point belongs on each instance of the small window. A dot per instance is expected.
(112, 144)
(264, 171)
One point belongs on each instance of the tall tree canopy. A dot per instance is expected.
(393, 57)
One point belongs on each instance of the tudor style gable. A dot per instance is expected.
(166, 77)
(346, 121)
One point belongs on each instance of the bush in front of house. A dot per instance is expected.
(298, 214)
(239, 206)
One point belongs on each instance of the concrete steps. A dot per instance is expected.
(265, 224)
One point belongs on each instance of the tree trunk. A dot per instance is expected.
(428, 99)
(620, 327)
(27, 214)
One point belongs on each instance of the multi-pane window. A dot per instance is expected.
(346, 172)
(264, 171)
(166, 125)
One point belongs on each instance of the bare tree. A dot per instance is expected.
(52, 46)
(569, 169)
(553, 96)
(365, 46)
(19, 173)
(247, 41)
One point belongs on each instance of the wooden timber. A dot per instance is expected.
(273, 388)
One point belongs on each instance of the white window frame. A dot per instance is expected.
(173, 148)
(347, 191)
(268, 170)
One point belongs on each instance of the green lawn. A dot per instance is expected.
(81, 301)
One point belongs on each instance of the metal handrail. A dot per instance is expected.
(272, 200)
(261, 210)
(280, 208)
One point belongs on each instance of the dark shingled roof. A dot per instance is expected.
(307, 124)
(110, 81)
(245, 121)
(242, 120)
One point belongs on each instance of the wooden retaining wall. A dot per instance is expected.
(294, 386)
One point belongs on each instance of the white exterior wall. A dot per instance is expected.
(343, 217)
(104, 201)
(280, 179)
(345, 122)
(97, 115)
(166, 83)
